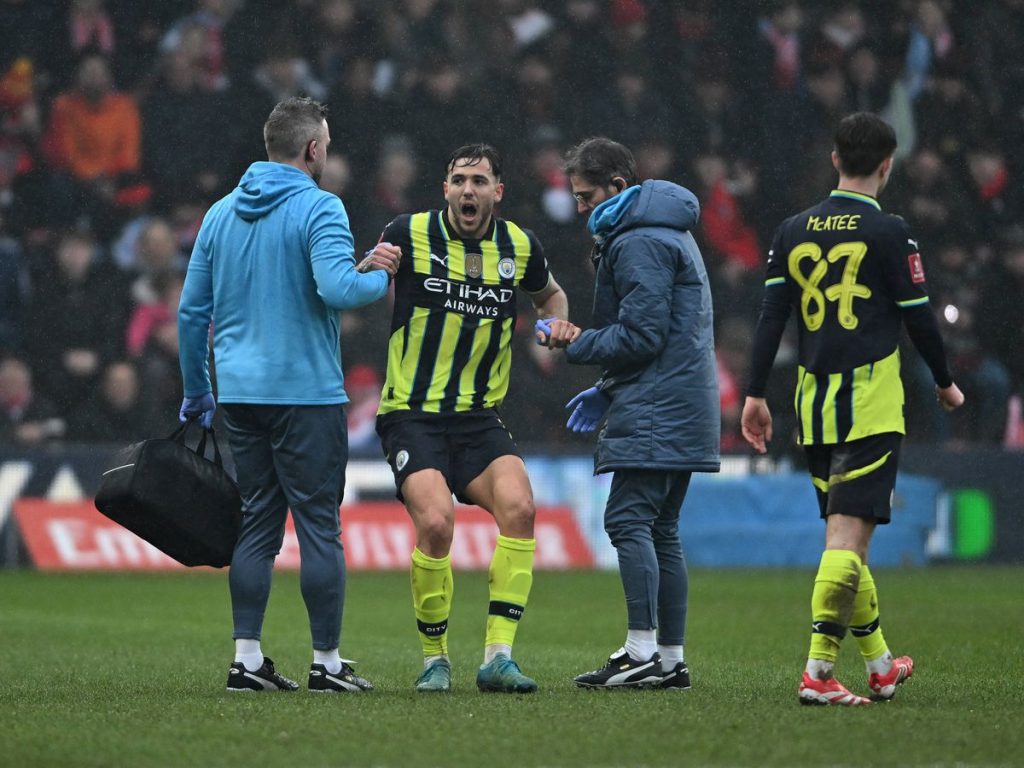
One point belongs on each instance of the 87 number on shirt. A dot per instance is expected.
(813, 299)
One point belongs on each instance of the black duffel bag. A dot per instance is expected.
(175, 498)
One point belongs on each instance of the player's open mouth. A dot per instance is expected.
(468, 210)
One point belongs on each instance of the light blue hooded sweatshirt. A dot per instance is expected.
(272, 265)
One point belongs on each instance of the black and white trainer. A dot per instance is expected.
(623, 671)
(266, 678)
(678, 678)
(345, 681)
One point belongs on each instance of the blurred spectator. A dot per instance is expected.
(997, 196)
(841, 32)
(76, 320)
(826, 106)
(341, 29)
(182, 156)
(20, 127)
(393, 190)
(997, 37)
(200, 36)
(25, 417)
(1001, 324)
(731, 239)
(115, 413)
(157, 256)
(14, 288)
(362, 384)
(280, 73)
(780, 54)
(715, 120)
(94, 136)
(154, 312)
(631, 111)
(355, 95)
(581, 49)
(158, 369)
(442, 94)
(949, 117)
(928, 194)
(869, 89)
(931, 39)
(26, 30)
(954, 291)
(732, 351)
(88, 28)
(527, 22)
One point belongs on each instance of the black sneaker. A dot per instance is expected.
(322, 681)
(678, 678)
(623, 671)
(265, 678)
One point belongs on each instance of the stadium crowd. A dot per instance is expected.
(120, 122)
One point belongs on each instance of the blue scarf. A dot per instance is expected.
(607, 215)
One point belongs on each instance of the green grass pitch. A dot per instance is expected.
(129, 670)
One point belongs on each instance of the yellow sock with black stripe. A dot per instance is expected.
(509, 579)
(835, 589)
(864, 625)
(432, 590)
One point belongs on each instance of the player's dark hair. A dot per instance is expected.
(292, 124)
(474, 153)
(598, 160)
(862, 141)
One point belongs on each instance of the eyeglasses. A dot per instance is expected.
(586, 196)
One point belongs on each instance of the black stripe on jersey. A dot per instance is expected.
(460, 359)
(428, 358)
(817, 422)
(438, 245)
(844, 407)
(435, 321)
(483, 372)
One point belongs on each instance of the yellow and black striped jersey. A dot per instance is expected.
(455, 310)
(852, 273)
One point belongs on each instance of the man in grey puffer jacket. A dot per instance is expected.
(658, 395)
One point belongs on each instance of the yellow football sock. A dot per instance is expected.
(835, 588)
(432, 590)
(864, 622)
(510, 579)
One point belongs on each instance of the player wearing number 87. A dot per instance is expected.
(855, 275)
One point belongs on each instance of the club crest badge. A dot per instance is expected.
(474, 264)
(507, 268)
(401, 460)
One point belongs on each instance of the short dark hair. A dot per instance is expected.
(474, 153)
(862, 141)
(292, 124)
(599, 160)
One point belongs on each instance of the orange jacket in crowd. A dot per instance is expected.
(90, 141)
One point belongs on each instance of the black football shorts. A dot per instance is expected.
(460, 445)
(856, 478)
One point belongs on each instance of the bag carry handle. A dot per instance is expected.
(200, 450)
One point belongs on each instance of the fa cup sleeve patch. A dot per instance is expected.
(916, 268)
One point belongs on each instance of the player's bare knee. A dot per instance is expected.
(435, 529)
(515, 517)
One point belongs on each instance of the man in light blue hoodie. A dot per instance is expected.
(272, 266)
(658, 396)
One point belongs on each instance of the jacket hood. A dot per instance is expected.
(654, 203)
(265, 186)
